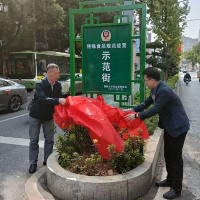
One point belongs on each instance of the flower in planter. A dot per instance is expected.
(95, 141)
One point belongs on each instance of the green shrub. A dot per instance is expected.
(172, 81)
(130, 158)
(78, 154)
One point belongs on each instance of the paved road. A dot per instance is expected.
(190, 96)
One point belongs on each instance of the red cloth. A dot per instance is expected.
(98, 117)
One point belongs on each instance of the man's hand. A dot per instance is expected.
(62, 101)
(131, 117)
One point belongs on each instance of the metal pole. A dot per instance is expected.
(143, 54)
(72, 52)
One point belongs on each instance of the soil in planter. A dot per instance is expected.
(103, 168)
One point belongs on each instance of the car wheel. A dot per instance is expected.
(14, 104)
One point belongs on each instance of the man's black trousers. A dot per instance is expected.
(173, 159)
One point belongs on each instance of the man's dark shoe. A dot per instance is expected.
(32, 168)
(163, 183)
(45, 163)
(171, 194)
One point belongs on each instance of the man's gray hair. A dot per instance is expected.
(50, 66)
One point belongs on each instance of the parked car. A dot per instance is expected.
(12, 95)
(64, 79)
(198, 74)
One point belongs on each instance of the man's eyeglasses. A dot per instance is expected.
(147, 80)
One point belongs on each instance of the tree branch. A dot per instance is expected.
(16, 33)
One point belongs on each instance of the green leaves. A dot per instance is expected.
(78, 154)
(193, 56)
(168, 20)
(24, 17)
(130, 158)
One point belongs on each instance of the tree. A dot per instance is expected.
(10, 23)
(189, 57)
(168, 21)
(43, 16)
(61, 36)
(193, 56)
(23, 22)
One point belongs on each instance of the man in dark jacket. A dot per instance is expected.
(175, 122)
(47, 95)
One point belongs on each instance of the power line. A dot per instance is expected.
(192, 19)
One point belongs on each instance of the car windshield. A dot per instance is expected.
(64, 77)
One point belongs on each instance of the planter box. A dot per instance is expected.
(128, 186)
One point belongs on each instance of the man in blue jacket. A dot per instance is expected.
(175, 122)
(47, 95)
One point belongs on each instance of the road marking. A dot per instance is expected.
(13, 118)
(191, 152)
(18, 141)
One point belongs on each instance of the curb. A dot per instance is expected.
(31, 186)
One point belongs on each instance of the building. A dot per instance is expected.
(188, 43)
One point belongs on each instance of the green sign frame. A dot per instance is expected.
(107, 60)
(118, 19)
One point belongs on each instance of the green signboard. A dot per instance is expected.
(107, 59)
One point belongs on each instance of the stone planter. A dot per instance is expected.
(128, 186)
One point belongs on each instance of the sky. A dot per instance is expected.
(192, 29)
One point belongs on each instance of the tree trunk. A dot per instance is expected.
(45, 25)
(34, 32)
(165, 74)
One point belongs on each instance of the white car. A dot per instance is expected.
(64, 79)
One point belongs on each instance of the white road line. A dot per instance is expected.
(13, 118)
(18, 141)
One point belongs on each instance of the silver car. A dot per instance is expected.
(12, 95)
(64, 79)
